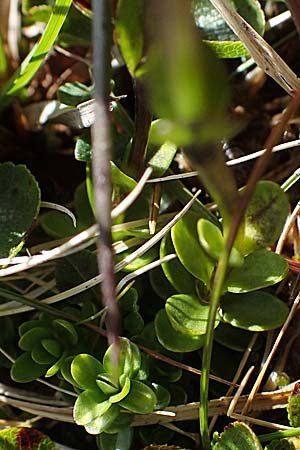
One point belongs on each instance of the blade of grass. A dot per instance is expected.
(35, 58)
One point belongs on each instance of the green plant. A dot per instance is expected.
(210, 286)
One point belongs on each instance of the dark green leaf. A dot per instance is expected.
(174, 271)
(254, 311)
(213, 242)
(238, 436)
(140, 400)
(65, 331)
(232, 338)
(83, 147)
(74, 93)
(174, 340)
(41, 356)
(24, 369)
(117, 441)
(188, 249)
(264, 219)
(218, 34)
(187, 314)
(19, 206)
(261, 268)
(32, 336)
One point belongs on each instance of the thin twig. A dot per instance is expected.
(101, 163)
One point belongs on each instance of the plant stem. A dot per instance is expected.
(207, 350)
(279, 434)
(101, 163)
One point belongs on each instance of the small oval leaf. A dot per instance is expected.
(187, 314)
(24, 369)
(174, 340)
(85, 369)
(174, 271)
(89, 405)
(261, 268)
(264, 218)
(19, 206)
(212, 240)
(140, 400)
(188, 249)
(254, 311)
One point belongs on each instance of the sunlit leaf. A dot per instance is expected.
(254, 311)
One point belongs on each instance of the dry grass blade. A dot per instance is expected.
(262, 402)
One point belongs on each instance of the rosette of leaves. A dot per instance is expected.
(199, 244)
(46, 344)
(111, 392)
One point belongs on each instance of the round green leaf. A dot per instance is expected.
(160, 284)
(65, 331)
(264, 218)
(89, 405)
(188, 249)
(254, 311)
(232, 338)
(121, 440)
(212, 240)
(32, 336)
(174, 271)
(24, 369)
(238, 436)
(261, 268)
(41, 356)
(106, 384)
(129, 359)
(218, 34)
(103, 422)
(187, 314)
(172, 339)
(140, 400)
(163, 396)
(85, 369)
(26, 326)
(19, 205)
(52, 346)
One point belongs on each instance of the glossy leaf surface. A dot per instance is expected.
(188, 249)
